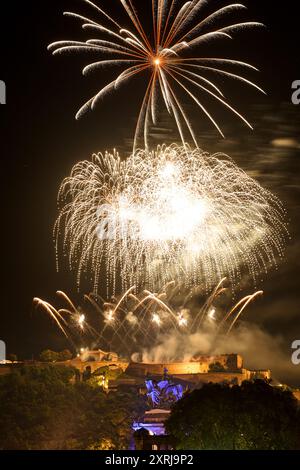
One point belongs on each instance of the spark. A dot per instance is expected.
(156, 319)
(182, 321)
(211, 314)
(81, 321)
(109, 316)
(171, 214)
(171, 59)
(140, 319)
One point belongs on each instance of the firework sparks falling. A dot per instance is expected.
(70, 320)
(139, 320)
(174, 213)
(156, 319)
(182, 320)
(170, 57)
(81, 321)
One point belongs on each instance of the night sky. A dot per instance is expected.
(41, 141)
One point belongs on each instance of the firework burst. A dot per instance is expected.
(174, 213)
(138, 320)
(170, 58)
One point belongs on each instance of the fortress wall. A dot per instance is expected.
(228, 361)
(213, 377)
(94, 365)
(218, 377)
(296, 394)
(173, 368)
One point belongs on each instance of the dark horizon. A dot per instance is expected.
(42, 142)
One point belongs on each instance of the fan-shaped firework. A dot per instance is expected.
(166, 56)
(132, 320)
(170, 214)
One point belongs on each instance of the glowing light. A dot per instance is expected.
(137, 320)
(167, 54)
(156, 319)
(81, 321)
(182, 321)
(169, 214)
(109, 316)
(211, 313)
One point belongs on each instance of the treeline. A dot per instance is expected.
(42, 408)
(253, 416)
(45, 408)
(53, 356)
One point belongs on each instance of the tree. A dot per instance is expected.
(252, 416)
(216, 367)
(65, 355)
(42, 409)
(49, 356)
(12, 357)
(87, 373)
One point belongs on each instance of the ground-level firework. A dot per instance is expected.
(134, 321)
(171, 214)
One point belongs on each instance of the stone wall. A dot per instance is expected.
(230, 362)
(94, 365)
(174, 368)
(296, 394)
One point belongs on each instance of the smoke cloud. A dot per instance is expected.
(258, 348)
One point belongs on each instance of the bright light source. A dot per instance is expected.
(182, 321)
(81, 320)
(211, 313)
(156, 319)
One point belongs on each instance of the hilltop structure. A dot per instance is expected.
(201, 369)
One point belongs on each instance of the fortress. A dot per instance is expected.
(201, 369)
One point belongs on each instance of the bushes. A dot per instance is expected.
(252, 416)
(42, 409)
(53, 356)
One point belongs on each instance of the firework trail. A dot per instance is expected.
(138, 320)
(171, 58)
(171, 214)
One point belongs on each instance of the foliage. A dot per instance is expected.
(109, 372)
(65, 355)
(42, 409)
(12, 357)
(53, 356)
(49, 356)
(104, 444)
(252, 416)
(216, 367)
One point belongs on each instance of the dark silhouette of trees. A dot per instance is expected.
(41, 408)
(12, 357)
(65, 355)
(53, 356)
(252, 416)
(216, 367)
(49, 356)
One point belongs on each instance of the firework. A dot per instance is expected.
(171, 57)
(174, 213)
(140, 320)
(71, 320)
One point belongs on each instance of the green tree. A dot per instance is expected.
(49, 356)
(216, 367)
(65, 355)
(12, 357)
(252, 416)
(42, 409)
